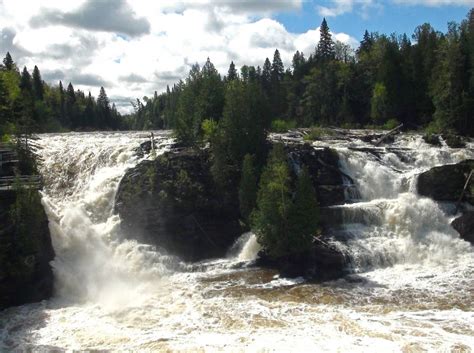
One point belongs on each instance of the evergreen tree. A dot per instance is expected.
(325, 48)
(304, 214)
(267, 76)
(232, 73)
(38, 88)
(270, 219)
(8, 62)
(103, 109)
(277, 68)
(248, 187)
(25, 82)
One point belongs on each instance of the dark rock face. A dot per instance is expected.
(446, 183)
(173, 203)
(25, 273)
(323, 166)
(322, 262)
(465, 226)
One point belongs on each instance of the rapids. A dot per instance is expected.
(412, 287)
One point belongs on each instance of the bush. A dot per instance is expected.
(391, 124)
(282, 125)
(316, 132)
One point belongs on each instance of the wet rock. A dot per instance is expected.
(432, 139)
(454, 141)
(464, 225)
(174, 204)
(446, 183)
(323, 167)
(25, 254)
(323, 262)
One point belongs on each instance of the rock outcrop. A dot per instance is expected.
(25, 249)
(465, 226)
(446, 183)
(322, 262)
(173, 203)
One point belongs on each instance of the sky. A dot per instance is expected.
(135, 47)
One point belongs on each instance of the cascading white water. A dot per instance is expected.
(81, 173)
(399, 227)
(412, 293)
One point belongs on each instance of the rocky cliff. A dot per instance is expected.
(25, 249)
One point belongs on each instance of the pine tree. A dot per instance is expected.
(8, 62)
(277, 70)
(38, 88)
(248, 187)
(25, 82)
(267, 76)
(325, 48)
(103, 109)
(232, 73)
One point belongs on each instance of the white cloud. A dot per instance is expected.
(180, 33)
(436, 3)
(340, 7)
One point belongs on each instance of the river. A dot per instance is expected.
(411, 290)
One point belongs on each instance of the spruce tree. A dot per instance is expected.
(25, 81)
(267, 76)
(304, 214)
(277, 69)
(232, 73)
(8, 62)
(270, 218)
(38, 88)
(248, 187)
(325, 48)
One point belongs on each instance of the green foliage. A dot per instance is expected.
(248, 187)
(270, 219)
(391, 124)
(379, 104)
(304, 214)
(241, 131)
(209, 129)
(316, 132)
(284, 225)
(282, 125)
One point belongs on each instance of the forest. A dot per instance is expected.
(28, 104)
(424, 82)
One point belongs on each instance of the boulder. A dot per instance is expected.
(465, 226)
(25, 251)
(446, 183)
(323, 262)
(174, 204)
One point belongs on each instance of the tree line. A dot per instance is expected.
(28, 104)
(426, 81)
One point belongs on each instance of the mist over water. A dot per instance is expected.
(412, 289)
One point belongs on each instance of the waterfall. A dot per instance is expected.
(392, 224)
(81, 174)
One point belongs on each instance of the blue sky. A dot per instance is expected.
(386, 18)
